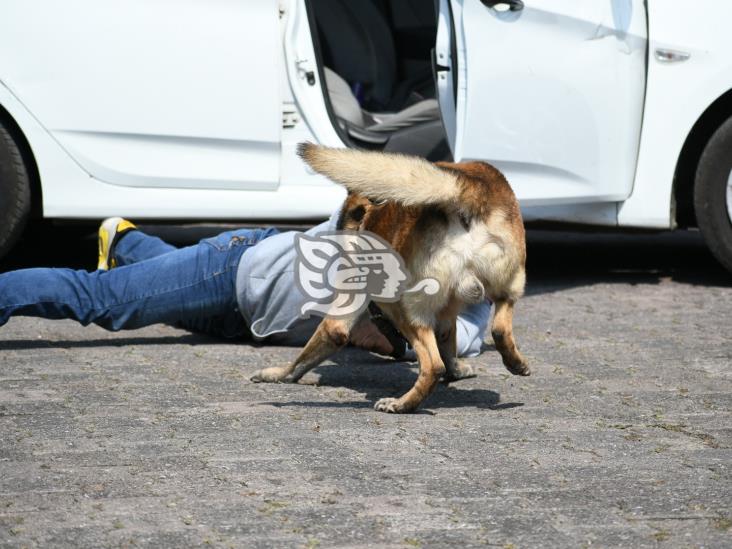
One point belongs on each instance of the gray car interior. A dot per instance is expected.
(378, 75)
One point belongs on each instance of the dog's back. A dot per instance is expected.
(457, 223)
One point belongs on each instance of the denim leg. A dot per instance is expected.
(135, 246)
(231, 323)
(187, 286)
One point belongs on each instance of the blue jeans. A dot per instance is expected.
(193, 287)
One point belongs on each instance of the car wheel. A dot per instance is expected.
(15, 197)
(713, 194)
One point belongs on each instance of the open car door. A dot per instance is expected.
(549, 91)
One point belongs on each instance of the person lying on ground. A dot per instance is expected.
(237, 285)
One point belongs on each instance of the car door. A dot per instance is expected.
(153, 93)
(549, 91)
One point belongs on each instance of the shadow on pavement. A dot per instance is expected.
(189, 339)
(559, 260)
(377, 377)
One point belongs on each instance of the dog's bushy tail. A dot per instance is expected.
(409, 180)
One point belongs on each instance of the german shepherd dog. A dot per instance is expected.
(458, 223)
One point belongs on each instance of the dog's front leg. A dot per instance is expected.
(331, 335)
(431, 369)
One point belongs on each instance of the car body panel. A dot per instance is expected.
(224, 158)
(69, 192)
(553, 95)
(678, 94)
(152, 93)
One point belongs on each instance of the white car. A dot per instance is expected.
(602, 112)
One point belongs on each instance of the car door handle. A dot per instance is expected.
(504, 5)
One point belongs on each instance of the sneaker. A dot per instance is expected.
(110, 232)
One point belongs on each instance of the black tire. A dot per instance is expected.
(710, 194)
(15, 195)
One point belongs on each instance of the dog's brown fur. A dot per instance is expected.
(436, 216)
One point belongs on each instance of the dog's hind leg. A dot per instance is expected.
(502, 332)
(447, 344)
(423, 342)
(331, 335)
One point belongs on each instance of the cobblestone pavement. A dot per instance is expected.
(155, 437)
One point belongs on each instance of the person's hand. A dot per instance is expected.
(366, 335)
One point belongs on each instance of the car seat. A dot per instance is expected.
(357, 44)
(360, 79)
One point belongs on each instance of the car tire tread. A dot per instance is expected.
(710, 190)
(15, 188)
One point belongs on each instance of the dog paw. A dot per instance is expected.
(389, 405)
(518, 368)
(459, 371)
(268, 375)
